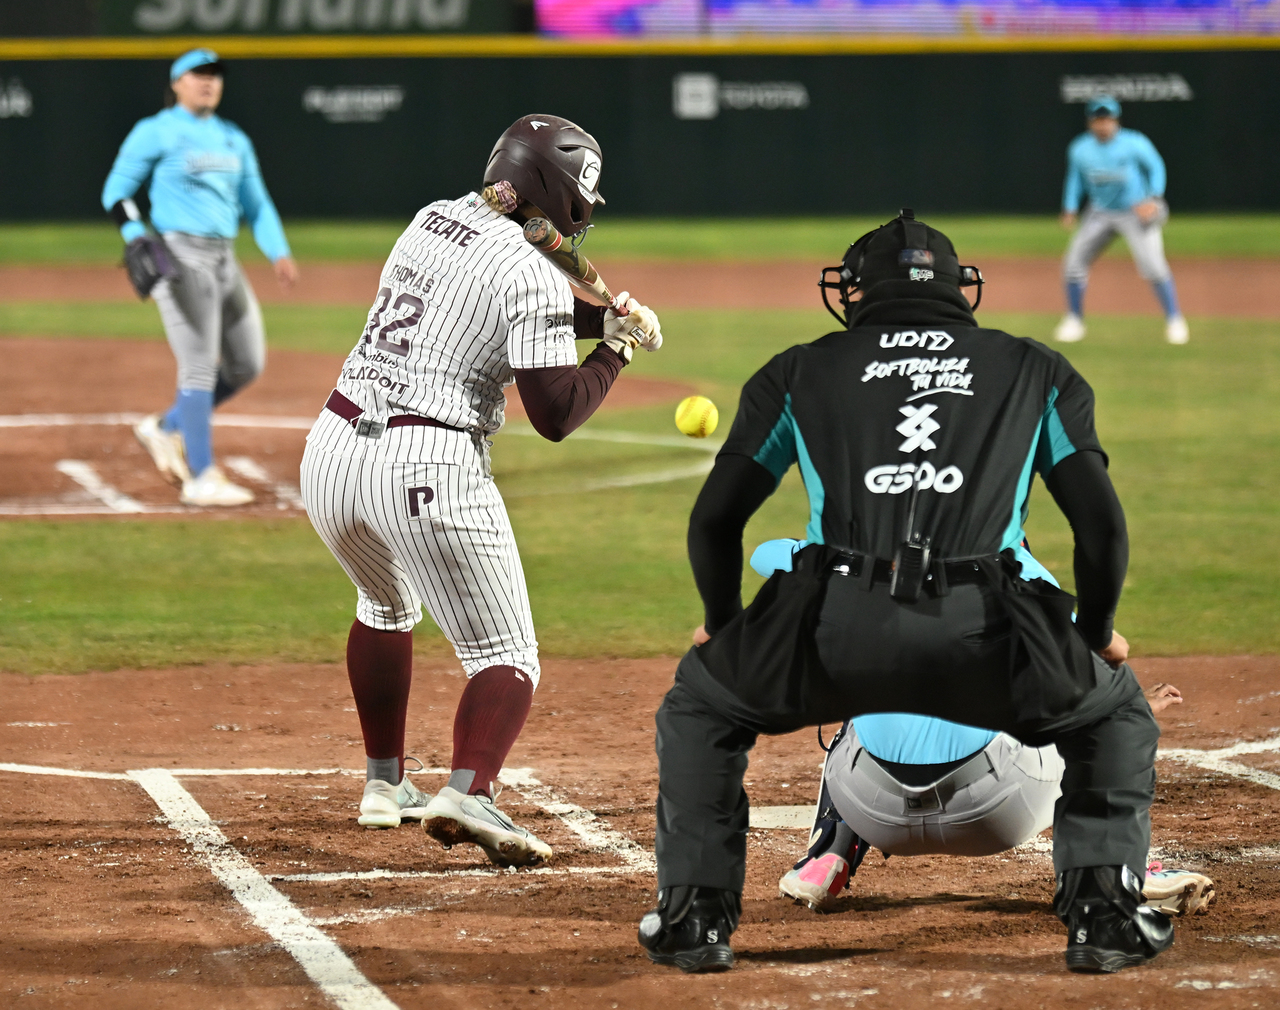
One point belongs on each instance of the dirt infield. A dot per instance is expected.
(116, 378)
(108, 907)
(1208, 287)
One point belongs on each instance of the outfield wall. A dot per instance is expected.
(696, 132)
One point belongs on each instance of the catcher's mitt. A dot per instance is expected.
(148, 261)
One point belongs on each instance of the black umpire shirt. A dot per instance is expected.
(970, 414)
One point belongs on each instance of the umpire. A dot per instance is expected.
(917, 434)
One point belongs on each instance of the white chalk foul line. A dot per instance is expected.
(67, 772)
(325, 963)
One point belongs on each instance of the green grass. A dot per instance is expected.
(1193, 434)
(811, 239)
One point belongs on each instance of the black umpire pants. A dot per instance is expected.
(946, 657)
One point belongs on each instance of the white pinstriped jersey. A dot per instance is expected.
(464, 300)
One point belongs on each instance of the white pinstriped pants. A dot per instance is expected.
(411, 530)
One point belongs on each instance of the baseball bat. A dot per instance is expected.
(543, 235)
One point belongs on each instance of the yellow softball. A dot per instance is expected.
(697, 416)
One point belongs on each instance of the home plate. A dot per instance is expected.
(782, 817)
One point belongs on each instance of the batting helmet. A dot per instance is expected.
(553, 164)
(902, 250)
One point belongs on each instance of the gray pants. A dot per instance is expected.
(1001, 797)
(211, 316)
(1098, 229)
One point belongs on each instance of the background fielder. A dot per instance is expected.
(204, 178)
(1123, 176)
(396, 472)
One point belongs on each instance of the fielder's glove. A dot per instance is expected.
(638, 328)
(148, 261)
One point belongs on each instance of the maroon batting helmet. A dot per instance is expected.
(553, 164)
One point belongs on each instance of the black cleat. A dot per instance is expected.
(1107, 926)
(690, 928)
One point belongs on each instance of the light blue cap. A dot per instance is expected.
(1102, 105)
(190, 61)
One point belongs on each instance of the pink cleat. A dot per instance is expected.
(817, 883)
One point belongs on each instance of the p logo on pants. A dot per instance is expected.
(420, 500)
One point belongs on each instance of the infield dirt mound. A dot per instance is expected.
(106, 908)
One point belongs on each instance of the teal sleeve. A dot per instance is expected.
(1152, 167)
(137, 157)
(1073, 186)
(259, 211)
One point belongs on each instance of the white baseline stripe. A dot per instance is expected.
(583, 823)
(324, 961)
(87, 477)
(68, 772)
(537, 871)
(300, 772)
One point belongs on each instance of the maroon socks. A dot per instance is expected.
(380, 666)
(490, 715)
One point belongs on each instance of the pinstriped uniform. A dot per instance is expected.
(414, 516)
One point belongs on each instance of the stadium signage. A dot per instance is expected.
(289, 17)
(703, 96)
(354, 104)
(15, 100)
(1080, 88)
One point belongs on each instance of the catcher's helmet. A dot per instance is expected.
(553, 164)
(902, 250)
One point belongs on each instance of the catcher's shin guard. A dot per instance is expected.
(690, 928)
(1107, 926)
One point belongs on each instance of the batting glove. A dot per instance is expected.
(638, 328)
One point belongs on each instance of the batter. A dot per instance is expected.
(204, 178)
(396, 474)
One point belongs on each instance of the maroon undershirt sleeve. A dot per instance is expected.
(558, 400)
(588, 320)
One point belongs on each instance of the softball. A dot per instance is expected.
(697, 416)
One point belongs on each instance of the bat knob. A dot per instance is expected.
(536, 230)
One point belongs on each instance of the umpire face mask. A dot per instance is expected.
(911, 260)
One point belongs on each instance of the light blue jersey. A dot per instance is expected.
(204, 179)
(1124, 171)
(901, 736)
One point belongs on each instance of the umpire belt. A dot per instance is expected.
(941, 576)
(921, 800)
(366, 428)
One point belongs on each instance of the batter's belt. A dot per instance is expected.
(348, 411)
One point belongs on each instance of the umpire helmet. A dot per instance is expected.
(553, 164)
(902, 250)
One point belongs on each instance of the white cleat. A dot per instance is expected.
(453, 818)
(213, 488)
(1177, 892)
(1176, 330)
(385, 806)
(165, 449)
(1070, 329)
